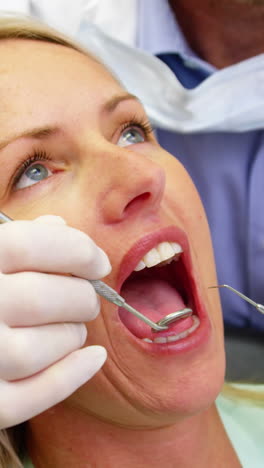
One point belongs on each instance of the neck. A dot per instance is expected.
(69, 438)
(222, 32)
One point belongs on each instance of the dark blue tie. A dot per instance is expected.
(189, 77)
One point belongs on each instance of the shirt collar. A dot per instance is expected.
(159, 32)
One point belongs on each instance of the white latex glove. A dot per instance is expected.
(42, 313)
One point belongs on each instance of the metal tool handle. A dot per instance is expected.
(107, 292)
(4, 218)
(112, 296)
(259, 307)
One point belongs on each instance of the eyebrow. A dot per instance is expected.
(110, 105)
(45, 131)
(37, 132)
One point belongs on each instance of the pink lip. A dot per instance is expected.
(129, 262)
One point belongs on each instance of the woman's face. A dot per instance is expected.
(75, 144)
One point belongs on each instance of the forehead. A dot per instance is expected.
(26, 53)
(38, 76)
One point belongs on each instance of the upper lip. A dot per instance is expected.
(147, 242)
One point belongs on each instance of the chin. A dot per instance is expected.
(140, 389)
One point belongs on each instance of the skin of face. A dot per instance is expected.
(117, 195)
(234, 28)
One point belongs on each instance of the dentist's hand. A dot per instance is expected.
(42, 310)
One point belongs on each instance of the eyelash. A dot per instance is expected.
(144, 125)
(38, 155)
(41, 155)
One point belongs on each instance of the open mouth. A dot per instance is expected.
(161, 283)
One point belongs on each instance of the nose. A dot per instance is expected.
(135, 187)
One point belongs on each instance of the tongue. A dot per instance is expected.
(154, 298)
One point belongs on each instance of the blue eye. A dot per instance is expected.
(131, 136)
(32, 170)
(32, 175)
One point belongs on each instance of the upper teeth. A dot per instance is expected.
(163, 251)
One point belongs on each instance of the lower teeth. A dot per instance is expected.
(180, 336)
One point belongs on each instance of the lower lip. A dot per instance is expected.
(197, 339)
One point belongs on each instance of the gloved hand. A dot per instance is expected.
(42, 310)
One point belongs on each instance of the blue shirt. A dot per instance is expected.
(227, 169)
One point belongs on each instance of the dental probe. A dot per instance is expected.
(259, 307)
(112, 296)
(170, 318)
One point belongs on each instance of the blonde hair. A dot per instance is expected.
(242, 393)
(25, 27)
(8, 455)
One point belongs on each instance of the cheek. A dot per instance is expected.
(183, 199)
(178, 183)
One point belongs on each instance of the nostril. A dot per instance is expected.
(136, 202)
